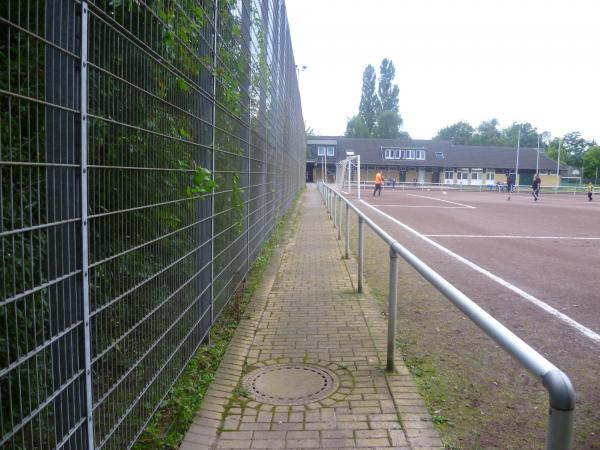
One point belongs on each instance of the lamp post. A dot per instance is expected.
(517, 164)
(545, 137)
(298, 70)
(537, 160)
(558, 167)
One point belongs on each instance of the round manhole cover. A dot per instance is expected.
(290, 384)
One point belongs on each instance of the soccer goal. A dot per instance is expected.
(347, 175)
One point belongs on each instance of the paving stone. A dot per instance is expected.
(382, 442)
(232, 435)
(337, 434)
(336, 443)
(185, 445)
(303, 443)
(267, 443)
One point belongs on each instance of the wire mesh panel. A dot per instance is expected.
(150, 133)
(42, 382)
(147, 151)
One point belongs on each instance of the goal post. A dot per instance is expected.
(347, 175)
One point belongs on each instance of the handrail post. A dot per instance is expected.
(392, 308)
(347, 252)
(340, 218)
(561, 412)
(334, 209)
(361, 252)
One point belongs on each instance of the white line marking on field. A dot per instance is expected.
(442, 200)
(423, 206)
(566, 319)
(576, 238)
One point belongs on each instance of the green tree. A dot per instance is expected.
(488, 133)
(575, 146)
(388, 125)
(591, 164)
(529, 135)
(356, 127)
(369, 102)
(388, 92)
(461, 133)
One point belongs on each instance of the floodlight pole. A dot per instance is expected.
(358, 177)
(517, 165)
(537, 161)
(558, 167)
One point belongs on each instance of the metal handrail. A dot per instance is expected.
(562, 395)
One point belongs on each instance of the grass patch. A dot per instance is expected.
(170, 423)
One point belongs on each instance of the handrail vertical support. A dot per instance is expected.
(560, 429)
(340, 219)
(334, 208)
(361, 252)
(561, 411)
(392, 308)
(347, 249)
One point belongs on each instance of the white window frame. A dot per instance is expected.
(321, 150)
(330, 151)
(396, 154)
(420, 154)
(476, 176)
(489, 175)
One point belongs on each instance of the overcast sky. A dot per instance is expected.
(534, 61)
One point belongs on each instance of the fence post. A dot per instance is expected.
(361, 252)
(392, 307)
(347, 253)
(85, 281)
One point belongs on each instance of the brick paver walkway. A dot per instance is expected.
(307, 312)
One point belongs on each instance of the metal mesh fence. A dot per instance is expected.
(116, 118)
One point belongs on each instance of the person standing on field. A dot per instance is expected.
(590, 190)
(535, 188)
(378, 184)
(509, 185)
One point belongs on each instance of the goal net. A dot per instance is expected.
(347, 175)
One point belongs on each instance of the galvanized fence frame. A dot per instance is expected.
(561, 409)
(117, 252)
